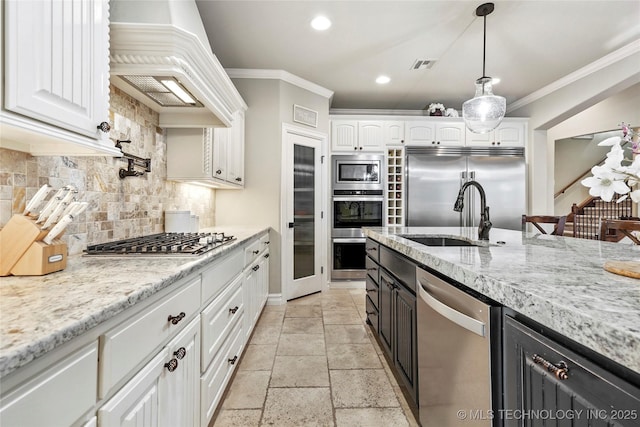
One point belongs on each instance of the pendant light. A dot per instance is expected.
(484, 111)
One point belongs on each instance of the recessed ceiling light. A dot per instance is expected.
(320, 23)
(383, 80)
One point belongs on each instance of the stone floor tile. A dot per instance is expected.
(353, 356)
(238, 417)
(354, 334)
(258, 357)
(361, 388)
(371, 417)
(271, 318)
(342, 317)
(337, 303)
(266, 334)
(306, 300)
(300, 371)
(302, 325)
(295, 407)
(301, 345)
(248, 390)
(310, 310)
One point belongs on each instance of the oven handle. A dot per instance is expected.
(358, 199)
(469, 323)
(348, 240)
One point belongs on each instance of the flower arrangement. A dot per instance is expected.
(613, 176)
(436, 109)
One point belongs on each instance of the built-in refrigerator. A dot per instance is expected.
(435, 175)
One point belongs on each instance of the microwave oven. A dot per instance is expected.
(358, 172)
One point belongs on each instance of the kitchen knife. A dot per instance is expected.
(57, 229)
(35, 201)
(56, 214)
(51, 204)
(75, 208)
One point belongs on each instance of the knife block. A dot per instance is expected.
(22, 238)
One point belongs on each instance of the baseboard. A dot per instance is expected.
(275, 299)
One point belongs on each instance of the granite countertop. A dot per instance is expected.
(40, 313)
(558, 282)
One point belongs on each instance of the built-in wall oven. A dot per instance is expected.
(358, 201)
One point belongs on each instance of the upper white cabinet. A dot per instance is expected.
(354, 135)
(56, 77)
(211, 156)
(393, 132)
(510, 133)
(435, 132)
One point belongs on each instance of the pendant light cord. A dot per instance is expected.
(484, 45)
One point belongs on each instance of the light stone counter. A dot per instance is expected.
(40, 313)
(556, 281)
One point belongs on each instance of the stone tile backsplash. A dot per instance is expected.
(118, 209)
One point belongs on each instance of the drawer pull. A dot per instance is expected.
(255, 252)
(180, 353)
(372, 290)
(373, 248)
(560, 369)
(175, 319)
(370, 313)
(171, 365)
(233, 310)
(267, 242)
(266, 255)
(256, 268)
(233, 361)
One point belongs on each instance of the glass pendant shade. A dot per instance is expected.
(484, 112)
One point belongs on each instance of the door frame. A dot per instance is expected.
(285, 183)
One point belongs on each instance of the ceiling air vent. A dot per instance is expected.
(423, 64)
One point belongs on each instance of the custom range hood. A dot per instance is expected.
(160, 55)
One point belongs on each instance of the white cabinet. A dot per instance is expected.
(356, 135)
(56, 77)
(510, 133)
(256, 281)
(63, 393)
(165, 391)
(435, 132)
(212, 156)
(393, 132)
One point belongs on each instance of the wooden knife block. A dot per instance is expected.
(23, 253)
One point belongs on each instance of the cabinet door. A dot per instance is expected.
(480, 139)
(249, 285)
(235, 151)
(405, 351)
(510, 134)
(180, 388)
(386, 310)
(264, 281)
(420, 133)
(220, 144)
(588, 393)
(344, 135)
(370, 135)
(63, 393)
(57, 62)
(393, 132)
(450, 134)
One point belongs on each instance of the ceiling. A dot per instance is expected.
(530, 44)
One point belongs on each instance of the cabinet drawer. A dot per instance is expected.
(215, 379)
(372, 314)
(251, 252)
(372, 291)
(127, 345)
(372, 249)
(61, 394)
(218, 319)
(218, 276)
(264, 241)
(372, 269)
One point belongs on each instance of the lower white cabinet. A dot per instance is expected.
(59, 396)
(256, 289)
(163, 393)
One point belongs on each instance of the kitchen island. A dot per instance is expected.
(558, 282)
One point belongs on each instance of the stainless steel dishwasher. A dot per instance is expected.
(455, 356)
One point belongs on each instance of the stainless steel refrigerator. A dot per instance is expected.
(435, 175)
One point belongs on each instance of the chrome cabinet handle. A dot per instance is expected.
(171, 365)
(180, 353)
(104, 127)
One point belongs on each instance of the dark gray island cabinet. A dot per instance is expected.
(545, 377)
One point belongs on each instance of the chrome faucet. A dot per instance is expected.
(485, 224)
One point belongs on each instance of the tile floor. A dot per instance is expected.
(314, 362)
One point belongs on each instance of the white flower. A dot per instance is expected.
(605, 182)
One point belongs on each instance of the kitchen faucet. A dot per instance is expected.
(485, 224)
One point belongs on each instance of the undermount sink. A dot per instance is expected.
(439, 241)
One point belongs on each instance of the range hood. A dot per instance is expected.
(160, 55)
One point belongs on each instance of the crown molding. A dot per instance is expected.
(597, 65)
(245, 73)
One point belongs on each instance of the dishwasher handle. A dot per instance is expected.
(460, 319)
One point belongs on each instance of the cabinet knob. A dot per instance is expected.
(180, 353)
(355, 148)
(255, 252)
(233, 361)
(266, 255)
(256, 268)
(239, 179)
(104, 127)
(171, 365)
(233, 310)
(175, 319)
(361, 148)
(218, 172)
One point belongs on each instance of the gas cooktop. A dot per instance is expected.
(167, 244)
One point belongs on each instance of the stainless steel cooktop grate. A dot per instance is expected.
(177, 244)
